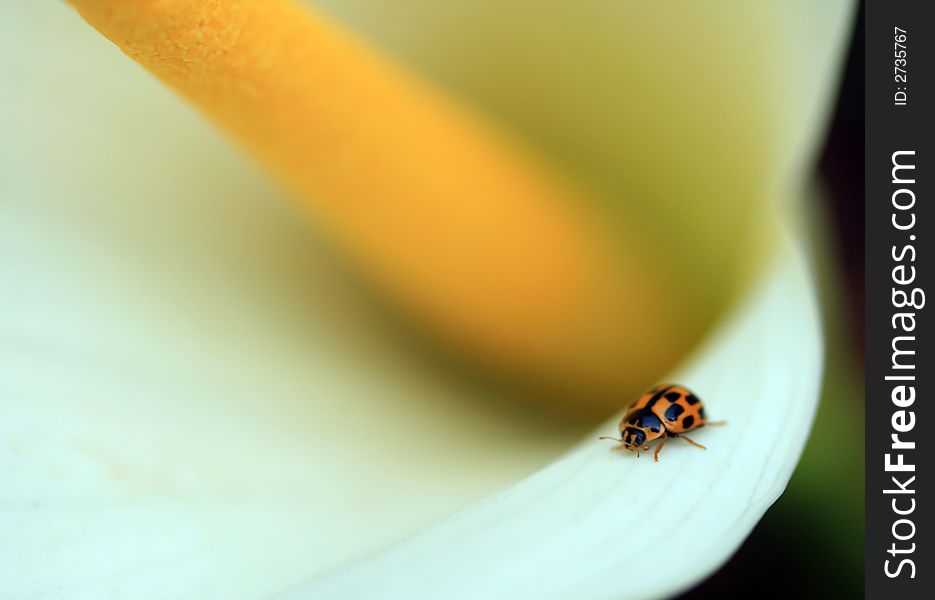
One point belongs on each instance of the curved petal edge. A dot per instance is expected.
(588, 525)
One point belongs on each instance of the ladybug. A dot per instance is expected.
(664, 411)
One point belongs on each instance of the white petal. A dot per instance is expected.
(601, 524)
(191, 404)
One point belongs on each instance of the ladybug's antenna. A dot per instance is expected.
(607, 437)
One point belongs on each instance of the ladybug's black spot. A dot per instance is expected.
(688, 421)
(648, 420)
(657, 396)
(673, 412)
(673, 396)
(691, 399)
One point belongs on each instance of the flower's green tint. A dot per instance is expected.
(691, 119)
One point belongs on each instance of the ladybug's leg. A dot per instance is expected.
(620, 441)
(693, 443)
(662, 442)
(714, 423)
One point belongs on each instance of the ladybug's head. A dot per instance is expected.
(640, 427)
(637, 429)
(633, 437)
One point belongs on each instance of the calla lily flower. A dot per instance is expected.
(195, 402)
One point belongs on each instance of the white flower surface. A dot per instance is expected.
(193, 405)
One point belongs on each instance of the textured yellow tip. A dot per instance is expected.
(459, 226)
